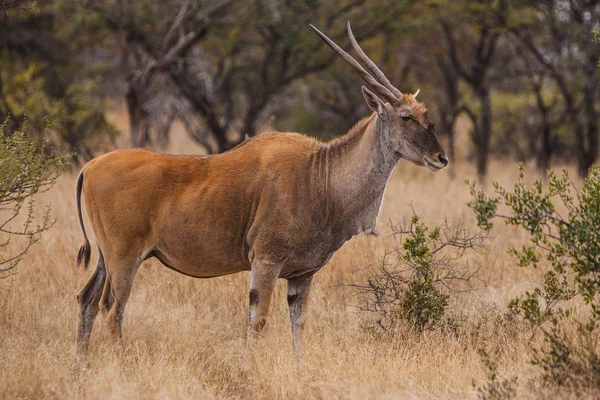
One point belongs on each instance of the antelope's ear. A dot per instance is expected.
(372, 101)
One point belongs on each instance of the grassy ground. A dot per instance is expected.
(185, 337)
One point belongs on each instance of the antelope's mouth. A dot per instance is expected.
(431, 165)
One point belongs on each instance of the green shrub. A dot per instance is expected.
(569, 241)
(413, 281)
(25, 170)
(495, 387)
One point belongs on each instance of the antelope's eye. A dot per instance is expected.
(406, 117)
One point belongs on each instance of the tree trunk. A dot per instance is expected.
(482, 140)
(543, 147)
(544, 151)
(593, 141)
(221, 141)
(588, 156)
(451, 148)
(591, 133)
(587, 144)
(448, 129)
(139, 134)
(249, 129)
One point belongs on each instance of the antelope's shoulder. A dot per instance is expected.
(278, 143)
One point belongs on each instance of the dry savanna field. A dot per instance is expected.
(185, 337)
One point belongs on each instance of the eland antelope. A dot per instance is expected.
(277, 205)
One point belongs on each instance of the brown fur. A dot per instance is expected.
(278, 205)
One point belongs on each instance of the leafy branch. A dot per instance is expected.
(413, 281)
(570, 244)
(25, 170)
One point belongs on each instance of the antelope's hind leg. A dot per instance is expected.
(297, 296)
(120, 274)
(88, 300)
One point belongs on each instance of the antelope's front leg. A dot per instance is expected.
(297, 296)
(263, 277)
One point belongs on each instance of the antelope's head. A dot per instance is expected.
(404, 120)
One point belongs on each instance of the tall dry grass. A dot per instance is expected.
(185, 337)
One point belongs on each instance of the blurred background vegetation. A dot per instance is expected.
(501, 78)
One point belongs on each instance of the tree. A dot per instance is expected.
(41, 78)
(561, 40)
(25, 170)
(249, 56)
(473, 59)
(449, 104)
(150, 50)
(543, 141)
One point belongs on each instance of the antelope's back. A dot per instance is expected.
(190, 208)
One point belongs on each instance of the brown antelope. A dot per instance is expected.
(278, 205)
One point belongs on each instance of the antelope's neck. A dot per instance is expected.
(360, 165)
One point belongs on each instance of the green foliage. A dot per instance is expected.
(517, 123)
(25, 170)
(423, 303)
(569, 242)
(511, 110)
(485, 208)
(44, 81)
(495, 388)
(23, 89)
(414, 281)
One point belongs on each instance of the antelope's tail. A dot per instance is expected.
(83, 257)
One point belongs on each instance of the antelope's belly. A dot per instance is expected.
(202, 254)
(201, 265)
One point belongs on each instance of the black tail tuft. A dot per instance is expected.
(83, 257)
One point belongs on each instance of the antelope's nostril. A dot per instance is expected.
(443, 159)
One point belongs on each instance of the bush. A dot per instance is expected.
(413, 281)
(25, 170)
(496, 387)
(570, 244)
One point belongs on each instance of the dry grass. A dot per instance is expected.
(185, 337)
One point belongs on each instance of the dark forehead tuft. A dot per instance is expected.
(407, 101)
